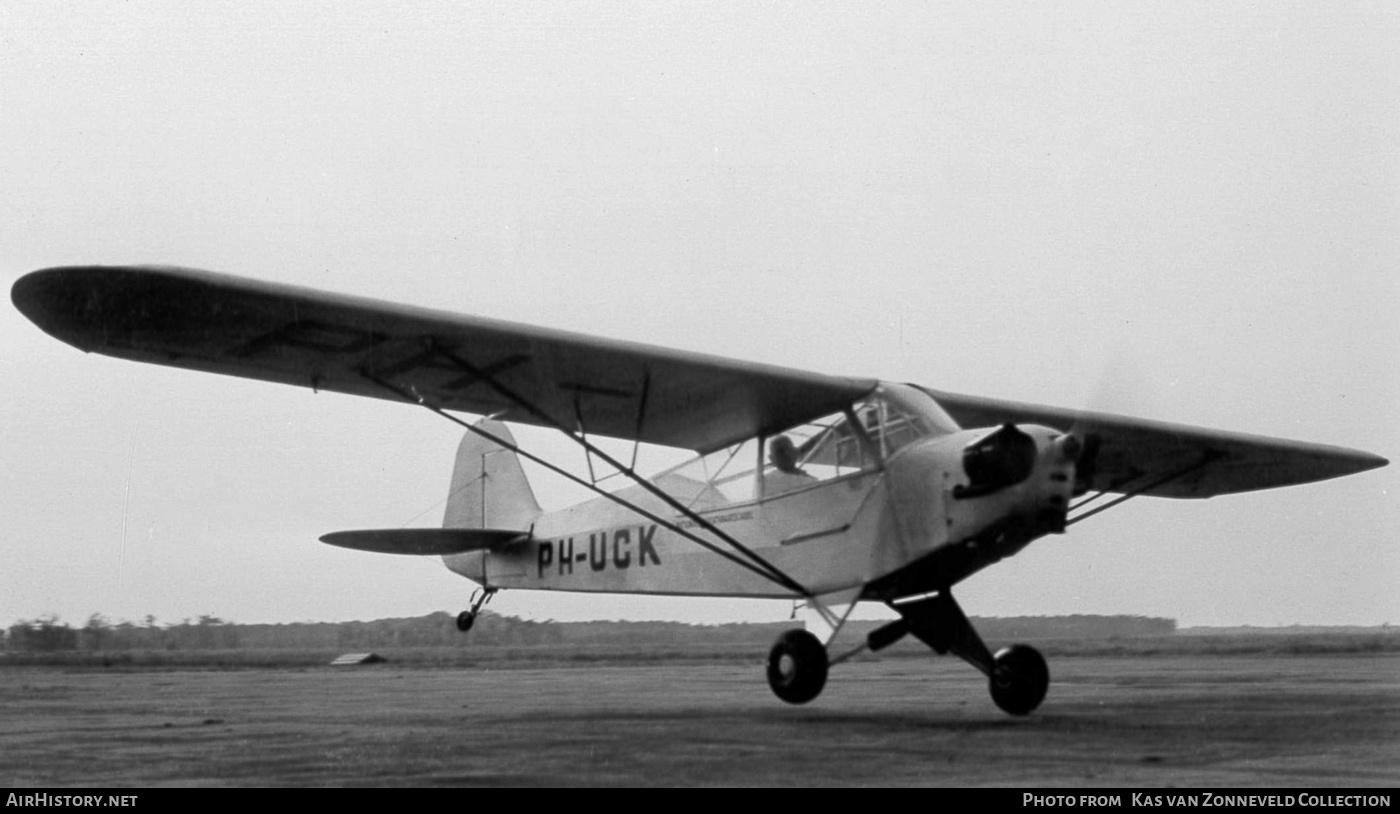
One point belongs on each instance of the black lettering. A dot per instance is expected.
(313, 335)
(546, 557)
(598, 551)
(621, 559)
(566, 556)
(644, 546)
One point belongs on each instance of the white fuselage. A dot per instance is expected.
(836, 534)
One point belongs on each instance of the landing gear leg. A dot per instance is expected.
(467, 618)
(1017, 676)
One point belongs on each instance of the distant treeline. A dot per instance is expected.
(48, 634)
(1078, 626)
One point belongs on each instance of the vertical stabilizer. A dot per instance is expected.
(489, 489)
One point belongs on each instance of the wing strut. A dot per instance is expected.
(1207, 458)
(753, 563)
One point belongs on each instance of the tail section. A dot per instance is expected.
(489, 489)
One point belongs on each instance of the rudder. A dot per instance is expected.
(489, 489)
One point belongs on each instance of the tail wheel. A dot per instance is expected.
(1019, 679)
(797, 667)
(480, 597)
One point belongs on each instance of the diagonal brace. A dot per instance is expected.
(769, 570)
(1207, 458)
(414, 398)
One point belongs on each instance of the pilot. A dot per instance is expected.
(786, 474)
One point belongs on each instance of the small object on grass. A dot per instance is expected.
(353, 659)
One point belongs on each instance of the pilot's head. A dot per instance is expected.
(782, 453)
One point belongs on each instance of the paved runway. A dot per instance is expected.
(1217, 721)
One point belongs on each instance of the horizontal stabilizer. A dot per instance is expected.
(425, 541)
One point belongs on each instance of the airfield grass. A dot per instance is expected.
(1147, 720)
(556, 655)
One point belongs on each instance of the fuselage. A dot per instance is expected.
(907, 517)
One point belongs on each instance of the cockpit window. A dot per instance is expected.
(835, 446)
(817, 451)
(712, 481)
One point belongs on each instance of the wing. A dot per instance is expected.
(222, 324)
(1133, 453)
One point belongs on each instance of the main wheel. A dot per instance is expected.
(797, 667)
(1019, 679)
(465, 620)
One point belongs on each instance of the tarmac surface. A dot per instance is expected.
(1133, 721)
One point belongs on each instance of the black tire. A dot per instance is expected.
(465, 620)
(797, 667)
(1019, 679)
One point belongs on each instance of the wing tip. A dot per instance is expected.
(1333, 462)
(1364, 461)
(74, 303)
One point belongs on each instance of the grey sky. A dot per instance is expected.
(1180, 211)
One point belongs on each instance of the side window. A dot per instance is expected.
(715, 480)
(811, 453)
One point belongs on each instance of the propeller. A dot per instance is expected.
(1114, 377)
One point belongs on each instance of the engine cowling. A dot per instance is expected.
(994, 462)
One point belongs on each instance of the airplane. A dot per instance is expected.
(820, 489)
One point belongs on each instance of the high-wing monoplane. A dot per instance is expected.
(823, 489)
